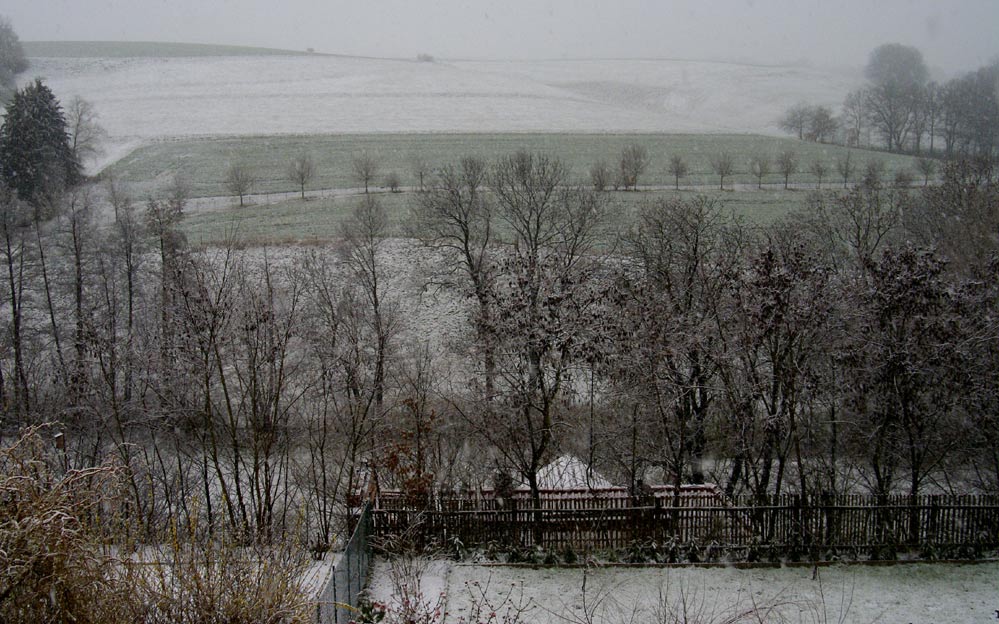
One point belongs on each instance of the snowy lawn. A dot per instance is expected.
(917, 593)
(267, 220)
(203, 162)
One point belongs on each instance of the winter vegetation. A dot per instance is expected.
(12, 59)
(197, 397)
(901, 109)
(288, 220)
(203, 162)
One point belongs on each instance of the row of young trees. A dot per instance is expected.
(906, 111)
(240, 178)
(785, 164)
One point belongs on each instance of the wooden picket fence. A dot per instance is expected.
(780, 522)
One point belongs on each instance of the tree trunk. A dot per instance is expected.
(15, 282)
(48, 300)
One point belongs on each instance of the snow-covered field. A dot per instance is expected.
(139, 99)
(910, 593)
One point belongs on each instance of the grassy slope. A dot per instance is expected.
(151, 49)
(203, 161)
(318, 219)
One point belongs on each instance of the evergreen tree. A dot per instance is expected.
(35, 154)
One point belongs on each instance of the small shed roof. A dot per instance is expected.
(568, 472)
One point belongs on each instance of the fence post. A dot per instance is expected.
(932, 531)
(798, 521)
(913, 522)
(827, 518)
(336, 599)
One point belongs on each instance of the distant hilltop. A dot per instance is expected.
(150, 91)
(152, 49)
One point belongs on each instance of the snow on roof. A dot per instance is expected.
(568, 472)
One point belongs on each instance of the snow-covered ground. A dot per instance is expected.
(916, 593)
(140, 99)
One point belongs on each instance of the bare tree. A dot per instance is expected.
(342, 419)
(860, 223)
(927, 167)
(545, 275)
(364, 237)
(968, 115)
(12, 59)
(392, 181)
(855, 117)
(908, 349)
(239, 180)
(85, 133)
(874, 173)
(822, 125)
(722, 164)
(778, 319)
(15, 218)
(668, 367)
(677, 168)
(787, 164)
(420, 169)
(959, 216)
(845, 167)
(818, 169)
(796, 119)
(634, 161)
(892, 116)
(80, 240)
(759, 166)
(455, 217)
(932, 110)
(259, 363)
(600, 176)
(127, 242)
(903, 179)
(898, 75)
(301, 171)
(162, 219)
(364, 169)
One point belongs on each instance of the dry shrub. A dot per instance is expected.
(63, 555)
(696, 605)
(53, 563)
(393, 182)
(208, 580)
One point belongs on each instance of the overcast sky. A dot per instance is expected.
(954, 35)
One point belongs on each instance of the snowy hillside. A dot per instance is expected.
(146, 98)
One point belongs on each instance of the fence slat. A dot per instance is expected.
(601, 522)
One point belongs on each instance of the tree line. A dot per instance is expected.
(848, 349)
(240, 179)
(902, 110)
